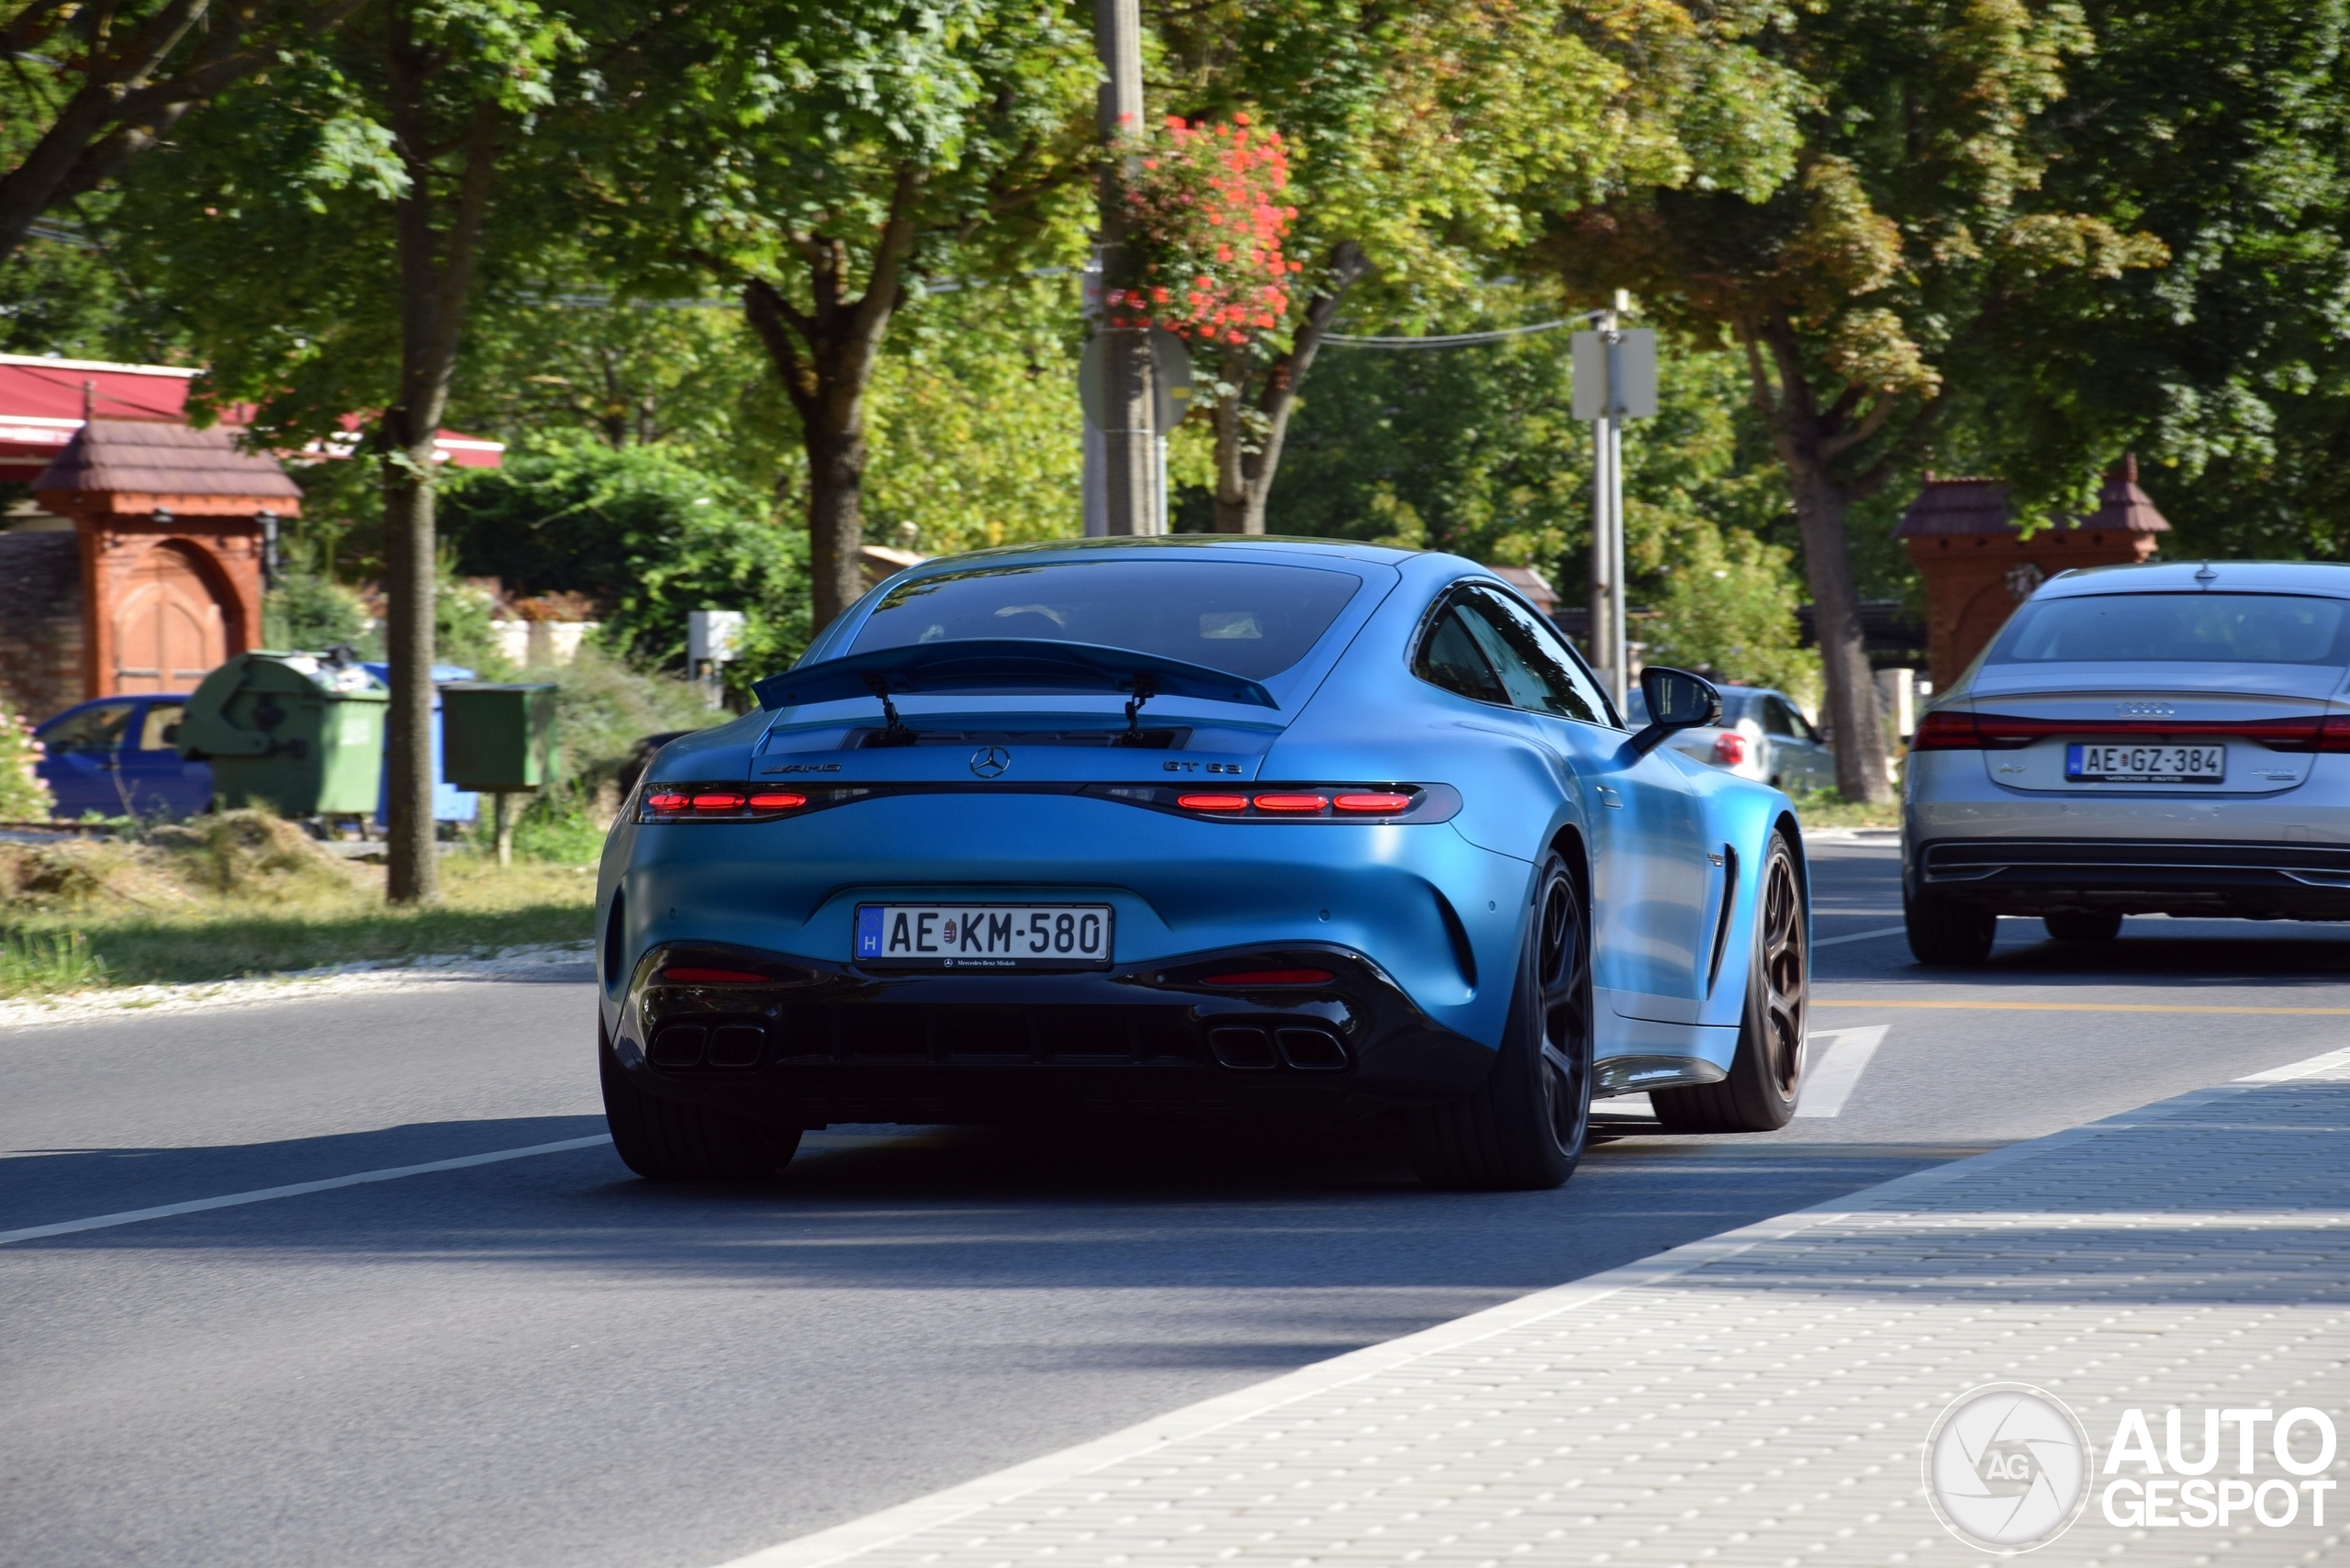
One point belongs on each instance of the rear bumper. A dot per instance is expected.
(2044, 876)
(819, 1043)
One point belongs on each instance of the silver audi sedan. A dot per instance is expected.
(2162, 739)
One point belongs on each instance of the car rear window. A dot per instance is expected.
(1242, 617)
(2172, 628)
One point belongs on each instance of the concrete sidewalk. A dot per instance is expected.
(1764, 1396)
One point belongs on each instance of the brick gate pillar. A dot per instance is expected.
(1977, 567)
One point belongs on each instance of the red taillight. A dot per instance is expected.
(1947, 730)
(779, 802)
(1213, 802)
(1729, 749)
(1272, 977)
(1372, 803)
(667, 800)
(717, 802)
(685, 976)
(1289, 802)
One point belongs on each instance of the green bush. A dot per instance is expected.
(307, 610)
(646, 537)
(23, 795)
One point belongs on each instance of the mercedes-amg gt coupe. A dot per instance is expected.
(1205, 829)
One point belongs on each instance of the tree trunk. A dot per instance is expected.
(436, 270)
(1809, 440)
(1852, 710)
(1249, 438)
(824, 357)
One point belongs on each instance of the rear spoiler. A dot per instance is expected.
(1005, 666)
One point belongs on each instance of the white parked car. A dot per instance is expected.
(2161, 739)
(1762, 737)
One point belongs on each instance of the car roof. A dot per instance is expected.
(2326, 577)
(1345, 549)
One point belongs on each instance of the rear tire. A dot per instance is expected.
(1943, 932)
(1766, 1074)
(2084, 925)
(1527, 1127)
(667, 1140)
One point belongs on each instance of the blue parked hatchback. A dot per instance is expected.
(114, 755)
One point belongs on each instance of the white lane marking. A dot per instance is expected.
(1859, 936)
(2331, 1064)
(1838, 1070)
(296, 1190)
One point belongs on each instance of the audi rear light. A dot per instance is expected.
(1372, 803)
(1947, 729)
(1213, 802)
(1729, 749)
(1290, 803)
(1272, 978)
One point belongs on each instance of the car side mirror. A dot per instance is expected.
(1676, 701)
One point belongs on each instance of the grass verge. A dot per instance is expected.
(244, 894)
(1828, 809)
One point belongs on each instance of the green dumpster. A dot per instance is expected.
(302, 734)
(498, 737)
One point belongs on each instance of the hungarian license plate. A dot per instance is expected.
(2102, 764)
(984, 936)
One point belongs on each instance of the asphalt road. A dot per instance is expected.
(544, 1361)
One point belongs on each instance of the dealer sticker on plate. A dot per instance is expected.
(2112, 764)
(984, 936)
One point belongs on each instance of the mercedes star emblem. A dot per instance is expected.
(990, 761)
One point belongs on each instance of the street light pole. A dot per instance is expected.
(1129, 442)
(1615, 380)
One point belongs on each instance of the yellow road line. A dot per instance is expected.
(2081, 1007)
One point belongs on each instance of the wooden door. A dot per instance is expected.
(170, 630)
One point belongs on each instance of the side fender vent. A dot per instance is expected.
(1457, 934)
(1721, 922)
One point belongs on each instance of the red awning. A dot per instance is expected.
(41, 401)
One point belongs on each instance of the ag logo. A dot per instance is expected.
(2007, 1468)
(990, 761)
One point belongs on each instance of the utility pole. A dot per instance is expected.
(1615, 380)
(1129, 441)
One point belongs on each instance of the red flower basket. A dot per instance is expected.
(1205, 224)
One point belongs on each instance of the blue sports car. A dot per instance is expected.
(1205, 828)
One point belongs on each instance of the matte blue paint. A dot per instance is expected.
(1350, 711)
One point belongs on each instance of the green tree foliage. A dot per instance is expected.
(2223, 131)
(1911, 219)
(976, 423)
(643, 535)
(816, 159)
(91, 83)
(1472, 451)
(1427, 140)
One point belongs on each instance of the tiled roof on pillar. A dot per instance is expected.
(2122, 507)
(1957, 506)
(139, 464)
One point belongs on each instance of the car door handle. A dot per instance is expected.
(1610, 797)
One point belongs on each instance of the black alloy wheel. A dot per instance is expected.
(1766, 1075)
(1527, 1127)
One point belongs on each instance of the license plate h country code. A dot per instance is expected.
(983, 937)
